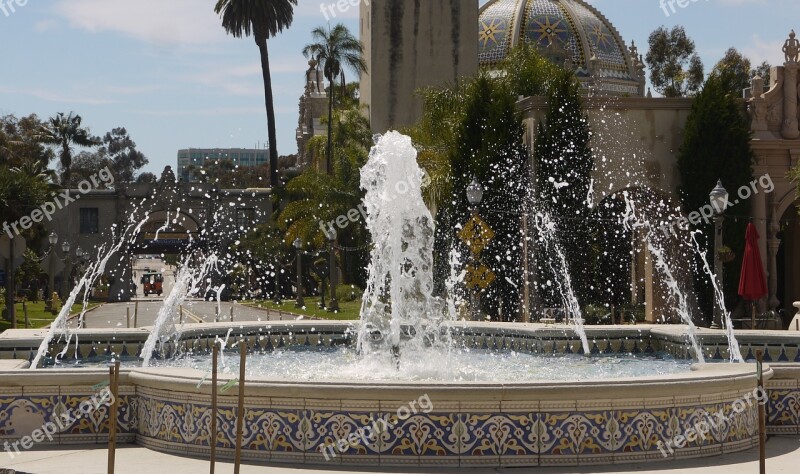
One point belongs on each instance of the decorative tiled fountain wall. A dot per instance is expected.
(598, 421)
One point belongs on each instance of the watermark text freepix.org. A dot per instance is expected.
(369, 434)
(706, 213)
(353, 215)
(669, 5)
(10, 6)
(60, 422)
(717, 422)
(331, 10)
(60, 201)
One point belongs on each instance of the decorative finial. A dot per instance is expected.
(791, 48)
(649, 93)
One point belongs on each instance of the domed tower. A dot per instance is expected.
(569, 32)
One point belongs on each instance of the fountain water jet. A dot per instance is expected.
(632, 220)
(188, 282)
(59, 326)
(546, 228)
(400, 274)
(733, 344)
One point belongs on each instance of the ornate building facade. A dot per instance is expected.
(776, 144)
(313, 107)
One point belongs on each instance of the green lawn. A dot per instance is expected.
(349, 310)
(37, 315)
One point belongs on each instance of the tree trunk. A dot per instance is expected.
(66, 163)
(329, 151)
(10, 287)
(270, 104)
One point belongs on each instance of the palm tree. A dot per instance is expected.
(65, 131)
(263, 19)
(335, 50)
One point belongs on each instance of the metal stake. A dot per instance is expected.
(213, 441)
(240, 410)
(113, 375)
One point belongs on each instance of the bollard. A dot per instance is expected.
(113, 375)
(136, 315)
(762, 417)
(128, 317)
(213, 433)
(231, 313)
(240, 411)
(25, 310)
(181, 310)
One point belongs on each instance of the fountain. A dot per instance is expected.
(409, 384)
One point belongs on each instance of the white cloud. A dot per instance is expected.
(760, 50)
(59, 97)
(174, 22)
(213, 111)
(244, 80)
(42, 26)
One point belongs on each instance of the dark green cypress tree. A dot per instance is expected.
(563, 166)
(716, 146)
(491, 150)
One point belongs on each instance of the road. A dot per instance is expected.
(144, 310)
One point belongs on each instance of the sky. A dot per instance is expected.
(167, 72)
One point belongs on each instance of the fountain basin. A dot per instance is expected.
(567, 422)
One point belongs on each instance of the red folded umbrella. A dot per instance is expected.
(752, 284)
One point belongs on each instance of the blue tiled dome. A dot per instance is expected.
(561, 29)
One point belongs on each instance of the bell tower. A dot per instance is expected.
(411, 44)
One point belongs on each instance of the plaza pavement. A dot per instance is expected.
(783, 456)
(114, 315)
(144, 310)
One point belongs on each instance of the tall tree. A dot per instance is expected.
(675, 69)
(563, 163)
(335, 50)
(20, 142)
(146, 178)
(492, 151)
(716, 146)
(117, 152)
(317, 199)
(64, 131)
(263, 19)
(122, 156)
(738, 67)
(763, 70)
(21, 191)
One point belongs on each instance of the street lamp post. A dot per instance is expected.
(51, 277)
(475, 196)
(65, 248)
(298, 245)
(719, 201)
(80, 259)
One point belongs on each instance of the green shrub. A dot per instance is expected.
(348, 293)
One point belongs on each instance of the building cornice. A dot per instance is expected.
(613, 103)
